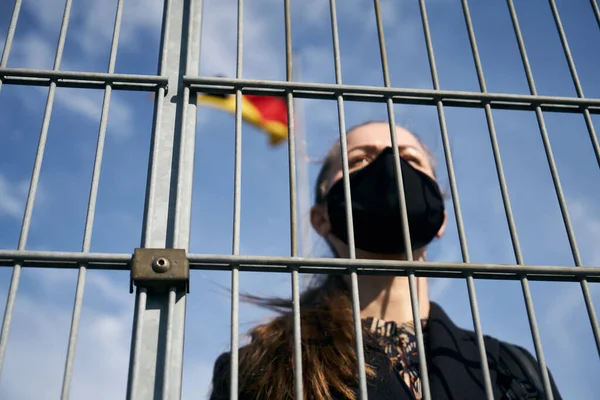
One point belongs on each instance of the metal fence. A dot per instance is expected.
(157, 346)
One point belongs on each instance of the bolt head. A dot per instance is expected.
(161, 264)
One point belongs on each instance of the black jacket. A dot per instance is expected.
(453, 366)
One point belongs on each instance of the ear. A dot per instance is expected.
(320, 219)
(443, 227)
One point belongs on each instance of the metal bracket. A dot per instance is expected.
(160, 269)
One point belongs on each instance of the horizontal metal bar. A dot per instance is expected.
(91, 80)
(50, 259)
(398, 95)
(60, 259)
(399, 268)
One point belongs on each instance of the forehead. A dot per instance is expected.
(377, 134)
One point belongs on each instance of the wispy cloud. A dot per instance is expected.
(560, 314)
(88, 104)
(93, 21)
(32, 51)
(38, 344)
(261, 56)
(98, 21)
(36, 51)
(587, 223)
(560, 317)
(12, 197)
(39, 337)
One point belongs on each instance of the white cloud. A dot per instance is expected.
(37, 350)
(32, 51)
(98, 22)
(93, 20)
(35, 51)
(38, 339)
(88, 104)
(353, 11)
(587, 224)
(219, 41)
(100, 283)
(48, 13)
(558, 318)
(12, 197)
(110, 290)
(562, 314)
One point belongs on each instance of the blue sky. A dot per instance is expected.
(38, 340)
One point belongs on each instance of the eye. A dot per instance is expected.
(412, 156)
(359, 161)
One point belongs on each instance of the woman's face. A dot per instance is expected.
(364, 144)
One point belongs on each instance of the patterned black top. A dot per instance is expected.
(400, 344)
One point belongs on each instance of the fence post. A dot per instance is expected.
(156, 360)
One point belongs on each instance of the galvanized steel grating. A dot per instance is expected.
(156, 363)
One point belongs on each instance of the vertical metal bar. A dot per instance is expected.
(187, 143)
(156, 362)
(142, 313)
(592, 132)
(8, 311)
(596, 11)
(35, 176)
(169, 342)
(12, 26)
(457, 209)
(303, 185)
(360, 356)
(150, 238)
(179, 235)
(44, 132)
(298, 393)
(87, 235)
(403, 212)
(412, 281)
(237, 189)
(136, 342)
(508, 209)
(566, 49)
(549, 155)
(587, 296)
(68, 371)
(568, 224)
(294, 239)
(574, 75)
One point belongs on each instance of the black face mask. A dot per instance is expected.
(376, 206)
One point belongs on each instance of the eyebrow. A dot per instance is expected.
(369, 148)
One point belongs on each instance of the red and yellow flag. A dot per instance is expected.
(265, 112)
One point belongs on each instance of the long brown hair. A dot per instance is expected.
(329, 361)
(328, 348)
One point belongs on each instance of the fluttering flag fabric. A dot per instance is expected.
(265, 112)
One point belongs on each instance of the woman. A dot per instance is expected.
(266, 367)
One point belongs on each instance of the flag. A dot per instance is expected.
(265, 112)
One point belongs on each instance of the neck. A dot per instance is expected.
(388, 297)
